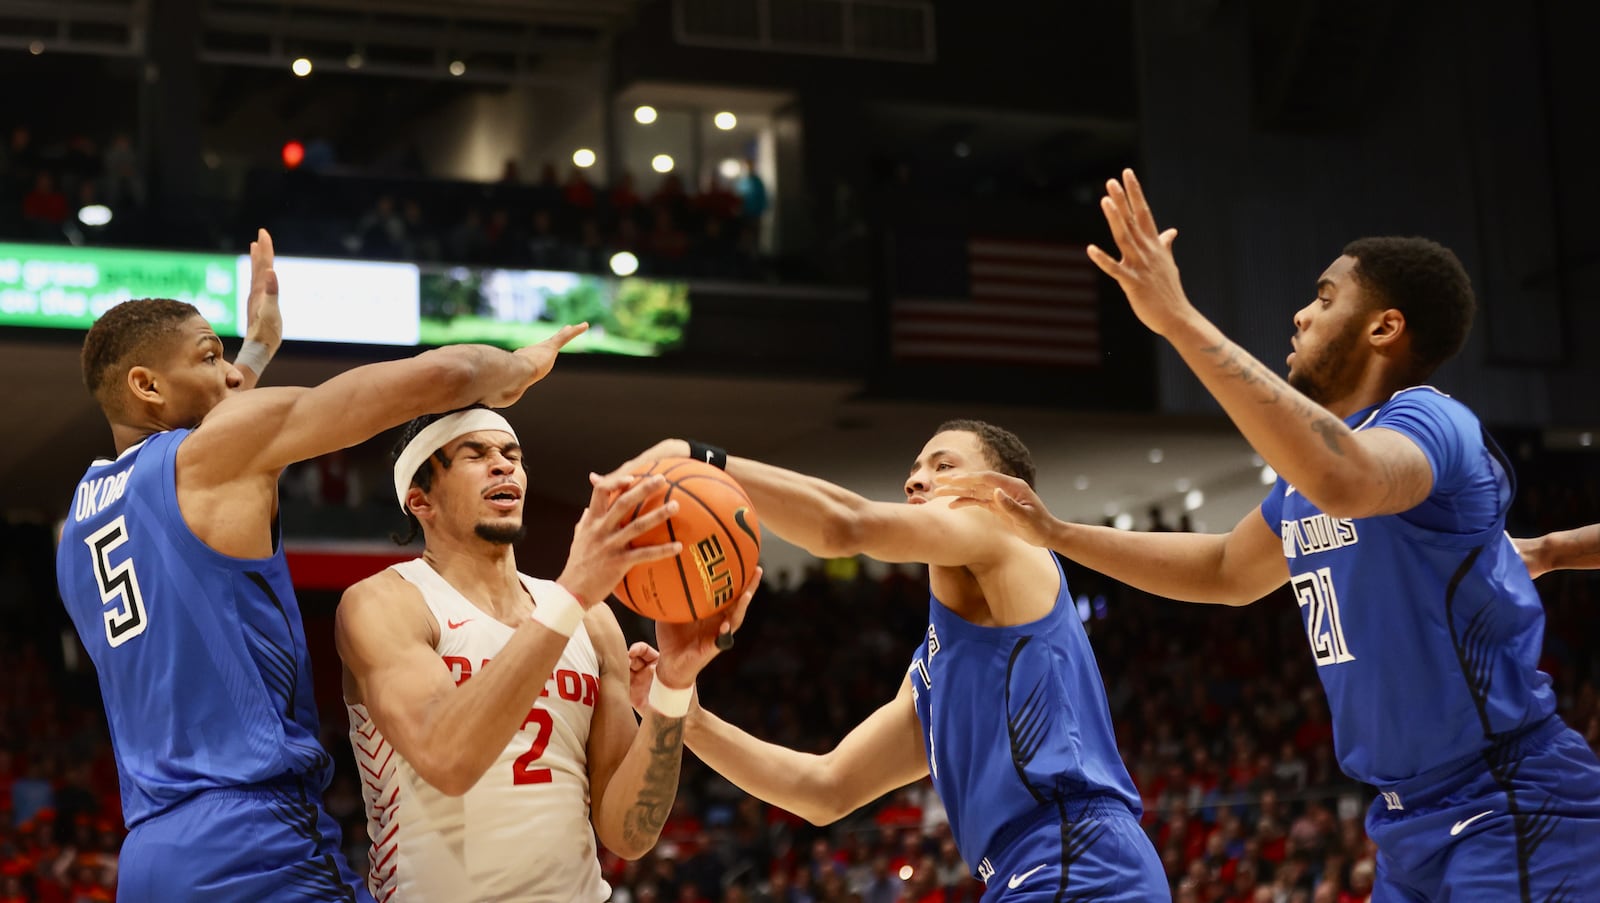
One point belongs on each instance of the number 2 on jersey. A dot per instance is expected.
(522, 771)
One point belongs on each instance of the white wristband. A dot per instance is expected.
(668, 701)
(559, 611)
(254, 355)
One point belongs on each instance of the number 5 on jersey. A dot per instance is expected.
(1314, 591)
(119, 585)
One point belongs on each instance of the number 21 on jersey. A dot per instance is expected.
(1314, 591)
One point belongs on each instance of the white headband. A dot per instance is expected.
(437, 435)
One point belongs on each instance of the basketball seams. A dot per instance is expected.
(711, 513)
(706, 518)
(683, 578)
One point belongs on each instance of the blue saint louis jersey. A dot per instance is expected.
(1425, 627)
(1016, 723)
(201, 657)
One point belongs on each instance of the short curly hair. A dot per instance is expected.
(1424, 281)
(1005, 451)
(128, 334)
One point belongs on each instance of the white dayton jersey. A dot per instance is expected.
(522, 832)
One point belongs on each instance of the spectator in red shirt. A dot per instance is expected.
(44, 205)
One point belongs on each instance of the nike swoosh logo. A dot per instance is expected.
(1288, 491)
(455, 624)
(1016, 880)
(1459, 826)
(738, 518)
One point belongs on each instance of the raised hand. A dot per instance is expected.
(541, 359)
(601, 553)
(688, 648)
(1147, 272)
(1012, 500)
(263, 320)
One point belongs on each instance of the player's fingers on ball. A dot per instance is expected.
(599, 502)
(613, 482)
(647, 522)
(642, 488)
(643, 554)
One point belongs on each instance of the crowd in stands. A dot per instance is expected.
(45, 183)
(321, 209)
(1218, 712)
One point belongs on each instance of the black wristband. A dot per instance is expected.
(708, 454)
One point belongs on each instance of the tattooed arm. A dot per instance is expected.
(1568, 550)
(1345, 473)
(633, 767)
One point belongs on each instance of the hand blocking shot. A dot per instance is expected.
(489, 710)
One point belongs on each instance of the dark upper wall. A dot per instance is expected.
(1456, 121)
(1053, 57)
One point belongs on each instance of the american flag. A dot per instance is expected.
(995, 301)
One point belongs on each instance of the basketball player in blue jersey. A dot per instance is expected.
(1002, 704)
(172, 570)
(1388, 520)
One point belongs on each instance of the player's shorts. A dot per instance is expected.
(1090, 848)
(262, 842)
(1526, 830)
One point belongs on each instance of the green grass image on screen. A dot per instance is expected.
(636, 317)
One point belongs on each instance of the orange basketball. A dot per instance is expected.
(721, 544)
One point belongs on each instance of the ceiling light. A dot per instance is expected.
(458, 68)
(661, 163)
(725, 120)
(95, 215)
(644, 114)
(583, 158)
(623, 263)
(301, 67)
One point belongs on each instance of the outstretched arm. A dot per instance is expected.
(830, 521)
(882, 753)
(1235, 568)
(1567, 550)
(1345, 473)
(265, 430)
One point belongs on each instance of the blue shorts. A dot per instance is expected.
(265, 842)
(1088, 849)
(1520, 825)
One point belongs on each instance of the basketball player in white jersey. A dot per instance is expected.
(489, 711)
